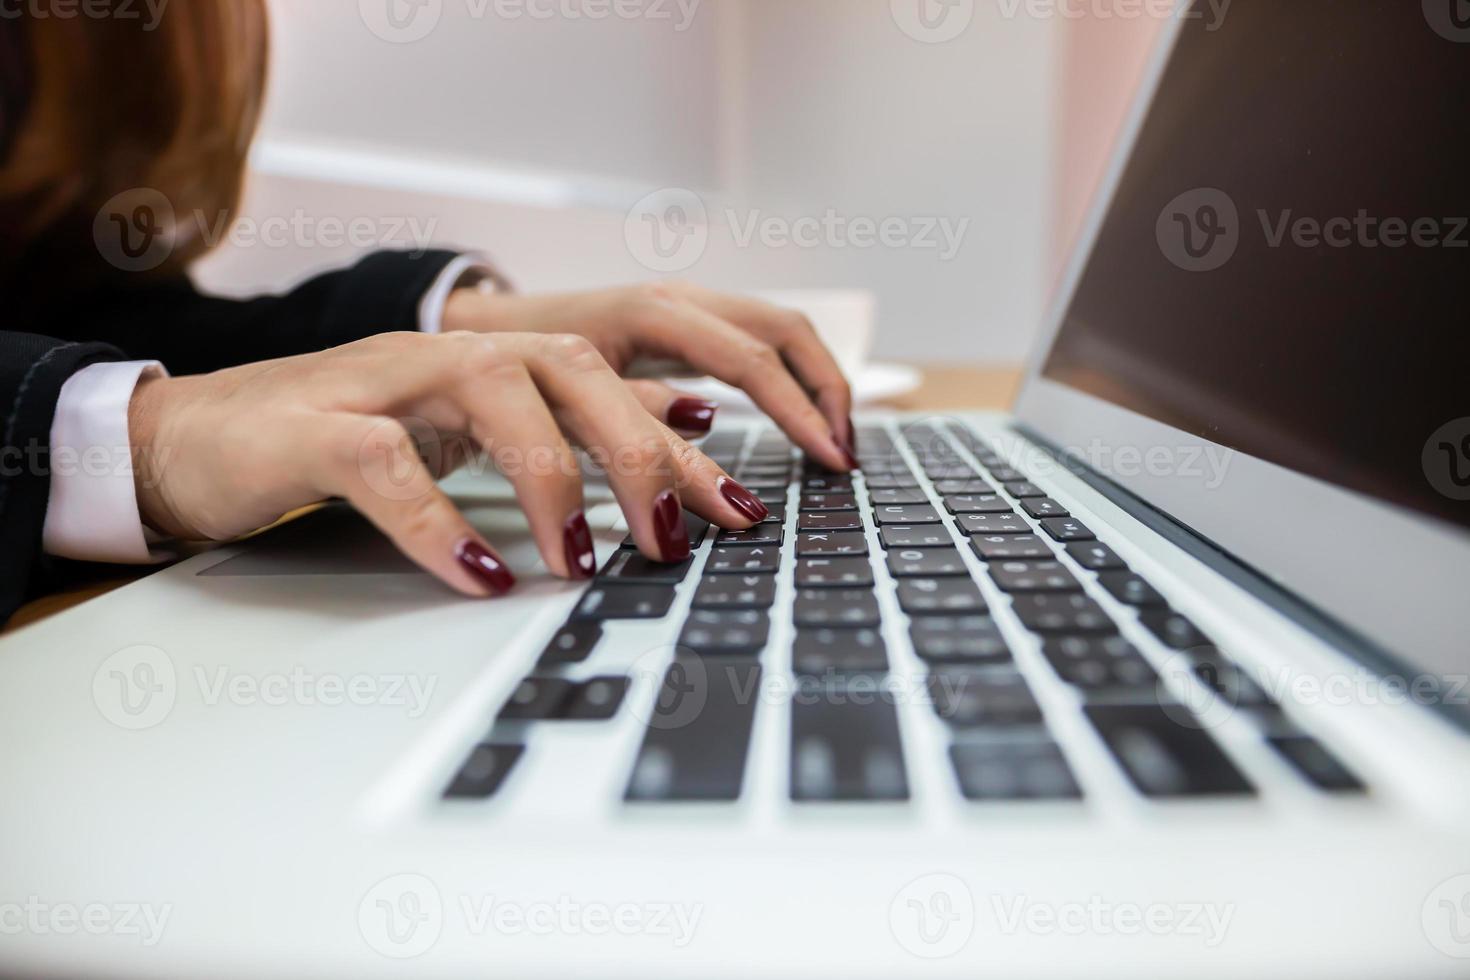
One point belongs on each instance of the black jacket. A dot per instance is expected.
(51, 329)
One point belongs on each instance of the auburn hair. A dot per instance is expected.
(106, 104)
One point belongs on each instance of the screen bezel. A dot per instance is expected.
(1347, 554)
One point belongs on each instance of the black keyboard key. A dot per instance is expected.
(831, 544)
(771, 495)
(817, 573)
(1176, 631)
(1316, 764)
(896, 498)
(926, 563)
(743, 560)
(819, 652)
(890, 481)
(595, 700)
(1226, 680)
(1021, 489)
(1033, 576)
(1040, 507)
(1061, 613)
(767, 471)
(696, 526)
(974, 485)
(977, 503)
(762, 534)
(699, 734)
(1095, 556)
(992, 524)
(845, 747)
(717, 633)
(959, 639)
(535, 699)
(484, 772)
(987, 698)
(901, 514)
(828, 501)
(940, 596)
(1104, 665)
(602, 602)
(760, 483)
(572, 644)
(939, 471)
(836, 607)
(1022, 769)
(631, 568)
(830, 520)
(827, 483)
(923, 536)
(736, 592)
(1129, 588)
(1002, 547)
(1164, 758)
(1067, 529)
(1007, 474)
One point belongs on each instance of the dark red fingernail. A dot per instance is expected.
(743, 500)
(693, 415)
(485, 566)
(668, 527)
(577, 546)
(847, 454)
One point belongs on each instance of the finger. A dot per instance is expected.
(509, 418)
(602, 413)
(689, 416)
(791, 333)
(712, 493)
(743, 360)
(373, 464)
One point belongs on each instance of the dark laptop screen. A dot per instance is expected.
(1286, 267)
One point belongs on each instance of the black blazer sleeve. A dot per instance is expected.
(32, 371)
(171, 321)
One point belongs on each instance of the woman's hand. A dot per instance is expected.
(222, 454)
(771, 353)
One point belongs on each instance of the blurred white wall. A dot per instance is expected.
(533, 138)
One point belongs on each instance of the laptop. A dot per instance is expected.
(1163, 674)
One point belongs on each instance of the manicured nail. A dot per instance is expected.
(743, 500)
(577, 547)
(845, 449)
(486, 567)
(668, 527)
(692, 415)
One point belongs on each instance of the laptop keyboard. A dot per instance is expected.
(845, 736)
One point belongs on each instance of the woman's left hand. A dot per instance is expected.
(773, 354)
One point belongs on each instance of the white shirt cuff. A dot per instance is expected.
(92, 513)
(431, 307)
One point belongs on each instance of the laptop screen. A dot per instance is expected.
(1285, 268)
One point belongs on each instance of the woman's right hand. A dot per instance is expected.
(223, 454)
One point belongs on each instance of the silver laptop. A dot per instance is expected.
(1164, 675)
